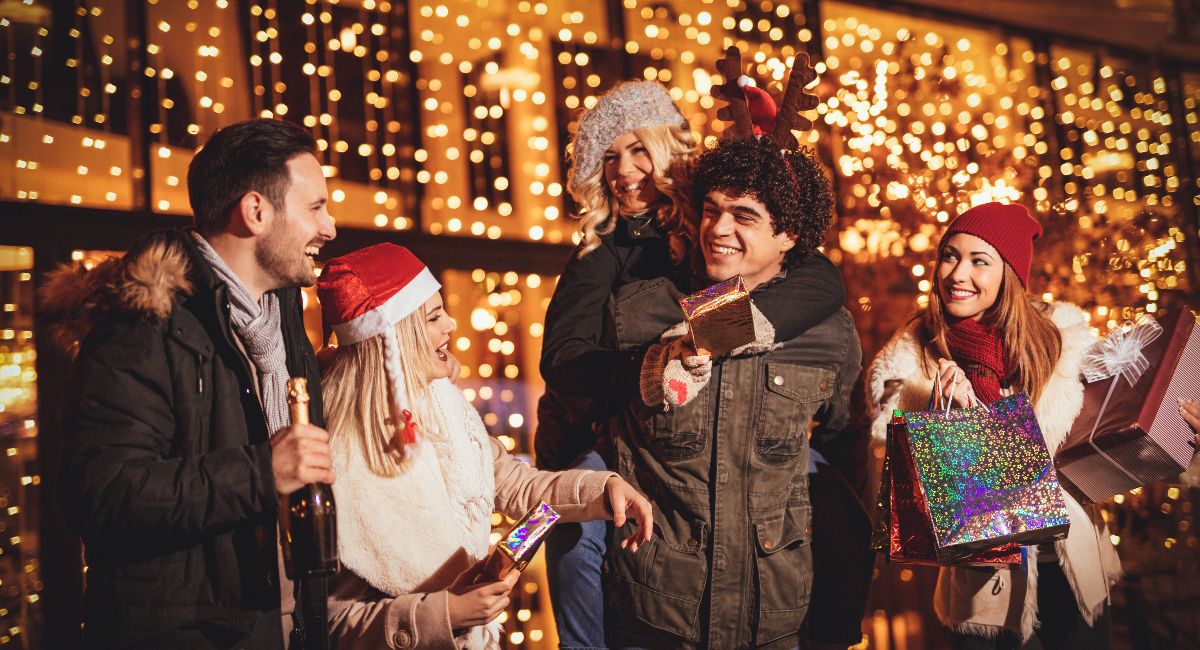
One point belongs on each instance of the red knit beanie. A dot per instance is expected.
(1007, 227)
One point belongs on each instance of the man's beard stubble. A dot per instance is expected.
(287, 266)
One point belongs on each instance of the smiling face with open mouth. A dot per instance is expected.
(738, 238)
(299, 228)
(970, 274)
(629, 175)
(439, 326)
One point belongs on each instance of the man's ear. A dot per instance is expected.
(787, 242)
(251, 215)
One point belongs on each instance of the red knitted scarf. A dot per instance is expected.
(978, 348)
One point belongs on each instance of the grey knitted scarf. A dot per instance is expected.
(257, 325)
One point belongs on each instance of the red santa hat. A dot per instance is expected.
(364, 294)
(762, 107)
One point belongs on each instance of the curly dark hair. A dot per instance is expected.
(791, 184)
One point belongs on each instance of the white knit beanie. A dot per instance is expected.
(627, 106)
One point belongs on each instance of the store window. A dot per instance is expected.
(20, 585)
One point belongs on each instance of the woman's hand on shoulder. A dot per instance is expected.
(626, 502)
(953, 383)
(471, 603)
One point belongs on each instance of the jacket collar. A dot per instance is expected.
(642, 226)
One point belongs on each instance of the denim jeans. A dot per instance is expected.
(574, 553)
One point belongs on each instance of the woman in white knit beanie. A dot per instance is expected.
(630, 161)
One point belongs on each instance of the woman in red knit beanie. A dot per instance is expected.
(982, 336)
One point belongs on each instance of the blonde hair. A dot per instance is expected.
(356, 391)
(1032, 342)
(672, 150)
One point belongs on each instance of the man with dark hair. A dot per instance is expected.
(179, 443)
(721, 446)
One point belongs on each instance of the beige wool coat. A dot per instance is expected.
(985, 601)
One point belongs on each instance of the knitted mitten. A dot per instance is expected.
(764, 335)
(672, 372)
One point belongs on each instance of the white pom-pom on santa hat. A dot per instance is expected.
(364, 294)
(761, 106)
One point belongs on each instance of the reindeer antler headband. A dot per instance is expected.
(795, 100)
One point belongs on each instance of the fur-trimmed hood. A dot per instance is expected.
(144, 282)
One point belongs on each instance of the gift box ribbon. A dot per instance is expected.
(1119, 355)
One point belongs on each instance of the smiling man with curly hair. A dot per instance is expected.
(779, 205)
(721, 445)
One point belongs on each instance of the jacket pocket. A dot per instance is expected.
(783, 570)
(790, 397)
(663, 583)
(679, 433)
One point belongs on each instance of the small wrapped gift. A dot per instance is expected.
(1129, 432)
(719, 317)
(520, 544)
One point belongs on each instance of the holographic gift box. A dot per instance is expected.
(985, 476)
(520, 544)
(1129, 432)
(719, 317)
(903, 528)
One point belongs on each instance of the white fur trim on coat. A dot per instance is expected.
(981, 600)
(415, 532)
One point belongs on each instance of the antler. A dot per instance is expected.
(795, 100)
(736, 112)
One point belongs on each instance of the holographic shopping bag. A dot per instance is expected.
(903, 528)
(985, 476)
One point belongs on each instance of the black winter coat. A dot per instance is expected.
(167, 465)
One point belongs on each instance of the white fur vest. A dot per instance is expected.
(985, 601)
(415, 532)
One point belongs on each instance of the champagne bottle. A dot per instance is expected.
(308, 518)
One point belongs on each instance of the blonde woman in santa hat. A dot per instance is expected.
(631, 161)
(418, 475)
(983, 336)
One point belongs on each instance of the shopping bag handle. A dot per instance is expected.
(936, 402)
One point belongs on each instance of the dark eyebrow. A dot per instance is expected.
(747, 211)
(989, 255)
(709, 202)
